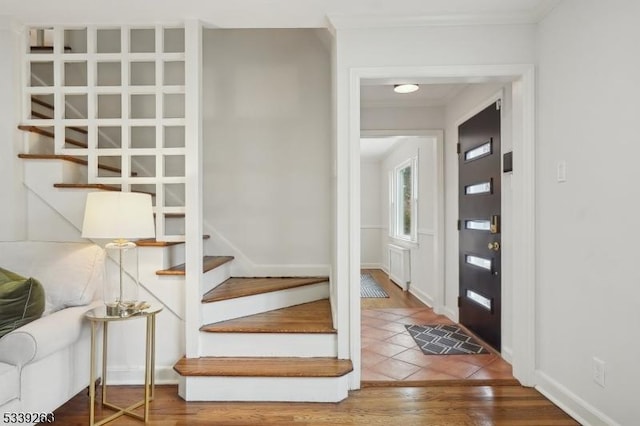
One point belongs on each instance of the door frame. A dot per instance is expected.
(523, 184)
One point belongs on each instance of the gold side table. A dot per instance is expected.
(99, 317)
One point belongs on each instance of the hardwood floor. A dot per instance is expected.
(397, 298)
(443, 405)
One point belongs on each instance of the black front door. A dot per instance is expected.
(479, 204)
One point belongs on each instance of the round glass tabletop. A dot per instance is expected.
(100, 314)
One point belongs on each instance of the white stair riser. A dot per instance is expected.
(268, 344)
(293, 389)
(162, 257)
(259, 303)
(215, 277)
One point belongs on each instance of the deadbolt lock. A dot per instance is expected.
(495, 246)
(494, 226)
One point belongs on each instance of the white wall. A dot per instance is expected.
(423, 262)
(267, 133)
(13, 215)
(587, 246)
(373, 228)
(401, 118)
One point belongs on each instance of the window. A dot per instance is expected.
(403, 193)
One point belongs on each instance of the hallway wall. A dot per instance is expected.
(587, 227)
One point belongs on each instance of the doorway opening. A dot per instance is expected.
(520, 82)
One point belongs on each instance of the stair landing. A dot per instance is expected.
(313, 317)
(208, 263)
(241, 287)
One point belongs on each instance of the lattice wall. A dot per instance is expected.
(119, 92)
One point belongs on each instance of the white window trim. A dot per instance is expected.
(395, 215)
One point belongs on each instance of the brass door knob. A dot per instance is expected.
(495, 246)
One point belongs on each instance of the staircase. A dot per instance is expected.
(265, 339)
(259, 338)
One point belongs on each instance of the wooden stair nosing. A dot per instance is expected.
(95, 186)
(46, 117)
(43, 132)
(263, 367)
(241, 287)
(152, 242)
(309, 318)
(71, 159)
(209, 263)
(47, 48)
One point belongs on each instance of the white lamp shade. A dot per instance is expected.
(118, 215)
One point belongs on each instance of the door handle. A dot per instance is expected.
(495, 246)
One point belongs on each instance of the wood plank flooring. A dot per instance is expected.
(263, 367)
(313, 317)
(408, 406)
(240, 287)
(397, 298)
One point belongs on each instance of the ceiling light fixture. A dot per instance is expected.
(405, 88)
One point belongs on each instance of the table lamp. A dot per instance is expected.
(120, 217)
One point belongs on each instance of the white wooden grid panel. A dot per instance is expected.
(93, 122)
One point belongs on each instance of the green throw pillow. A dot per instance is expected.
(21, 301)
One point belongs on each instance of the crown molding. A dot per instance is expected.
(344, 22)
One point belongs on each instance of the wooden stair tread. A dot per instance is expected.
(209, 263)
(240, 287)
(263, 367)
(70, 158)
(314, 317)
(47, 48)
(95, 186)
(152, 242)
(46, 117)
(43, 132)
(41, 102)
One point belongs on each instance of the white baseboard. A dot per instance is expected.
(583, 412)
(449, 313)
(507, 354)
(371, 266)
(422, 296)
(134, 375)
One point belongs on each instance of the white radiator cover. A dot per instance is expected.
(400, 266)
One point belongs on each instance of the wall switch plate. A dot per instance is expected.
(598, 371)
(562, 171)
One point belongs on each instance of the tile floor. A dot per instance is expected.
(389, 353)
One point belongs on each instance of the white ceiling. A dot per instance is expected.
(373, 149)
(267, 13)
(429, 95)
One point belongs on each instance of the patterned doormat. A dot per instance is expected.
(370, 288)
(444, 339)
